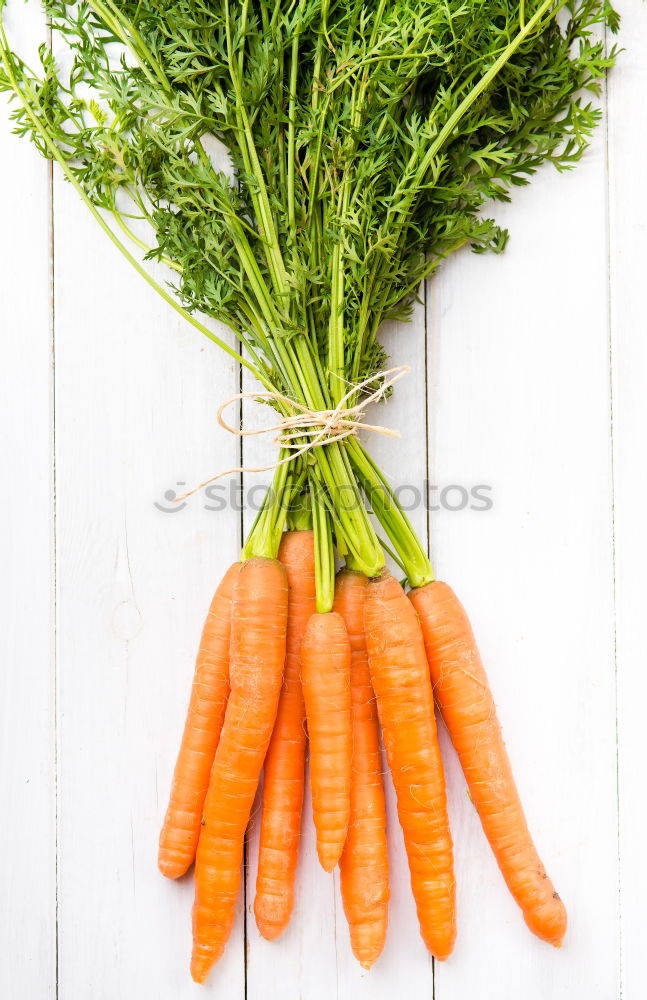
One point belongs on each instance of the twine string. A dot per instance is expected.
(319, 427)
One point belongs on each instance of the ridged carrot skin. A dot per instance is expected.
(400, 678)
(325, 675)
(285, 761)
(463, 695)
(257, 655)
(364, 864)
(181, 830)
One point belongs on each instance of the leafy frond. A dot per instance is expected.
(363, 141)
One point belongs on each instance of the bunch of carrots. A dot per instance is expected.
(362, 142)
(271, 668)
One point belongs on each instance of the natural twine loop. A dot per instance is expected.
(322, 427)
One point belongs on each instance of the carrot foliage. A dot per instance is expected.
(358, 144)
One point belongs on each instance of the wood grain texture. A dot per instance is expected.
(27, 787)
(527, 369)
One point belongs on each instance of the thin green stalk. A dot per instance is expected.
(391, 516)
(127, 33)
(265, 536)
(127, 231)
(259, 195)
(336, 360)
(350, 516)
(291, 149)
(393, 554)
(287, 516)
(485, 82)
(409, 190)
(299, 515)
(5, 56)
(414, 177)
(324, 555)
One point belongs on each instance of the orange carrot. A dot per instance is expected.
(364, 864)
(463, 695)
(285, 761)
(257, 655)
(400, 678)
(325, 674)
(179, 836)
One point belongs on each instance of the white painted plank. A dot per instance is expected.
(519, 386)
(27, 832)
(628, 226)
(137, 392)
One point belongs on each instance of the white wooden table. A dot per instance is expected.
(531, 369)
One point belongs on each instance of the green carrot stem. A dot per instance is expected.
(389, 513)
(265, 536)
(324, 554)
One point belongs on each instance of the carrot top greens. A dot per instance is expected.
(363, 141)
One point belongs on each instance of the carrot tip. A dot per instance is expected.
(171, 869)
(366, 951)
(366, 947)
(200, 968)
(269, 931)
(441, 953)
(328, 864)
